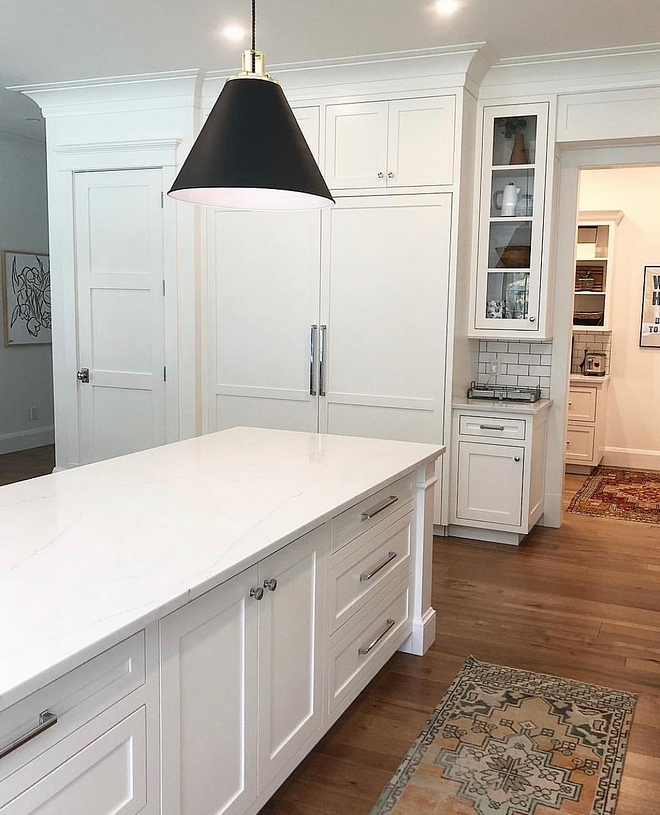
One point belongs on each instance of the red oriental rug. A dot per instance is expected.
(613, 492)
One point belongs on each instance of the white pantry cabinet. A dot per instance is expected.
(400, 143)
(498, 471)
(585, 434)
(333, 323)
(510, 285)
(241, 682)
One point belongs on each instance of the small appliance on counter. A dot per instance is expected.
(503, 393)
(593, 363)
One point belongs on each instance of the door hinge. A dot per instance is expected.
(164, 373)
(162, 199)
(163, 288)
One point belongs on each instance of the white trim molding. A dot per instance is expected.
(633, 459)
(26, 439)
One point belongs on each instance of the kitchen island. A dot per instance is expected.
(209, 607)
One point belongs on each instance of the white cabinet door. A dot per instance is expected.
(309, 120)
(582, 403)
(421, 142)
(208, 702)
(580, 443)
(356, 145)
(490, 483)
(384, 300)
(119, 271)
(290, 649)
(264, 274)
(108, 777)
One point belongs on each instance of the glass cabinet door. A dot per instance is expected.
(511, 217)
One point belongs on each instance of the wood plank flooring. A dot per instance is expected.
(26, 464)
(582, 601)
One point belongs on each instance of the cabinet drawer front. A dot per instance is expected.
(582, 404)
(369, 642)
(373, 560)
(371, 511)
(494, 427)
(107, 777)
(580, 443)
(74, 698)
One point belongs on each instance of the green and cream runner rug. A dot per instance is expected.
(508, 742)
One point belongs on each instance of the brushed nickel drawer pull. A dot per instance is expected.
(370, 513)
(364, 651)
(491, 427)
(390, 557)
(46, 720)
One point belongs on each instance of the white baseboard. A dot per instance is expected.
(423, 635)
(26, 439)
(633, 459)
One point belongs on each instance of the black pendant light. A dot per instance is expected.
(251, 153)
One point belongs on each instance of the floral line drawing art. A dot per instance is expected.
(27, 298)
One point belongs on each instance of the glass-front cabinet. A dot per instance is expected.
(508, 285)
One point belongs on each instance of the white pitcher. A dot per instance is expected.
(509, 199)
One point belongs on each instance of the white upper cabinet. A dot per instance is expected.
(309, 120)
(402, 143)
(510, 283)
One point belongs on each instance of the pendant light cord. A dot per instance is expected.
(254, 33)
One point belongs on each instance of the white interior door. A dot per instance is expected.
(264, 291)
(121, 324)
(385, 289)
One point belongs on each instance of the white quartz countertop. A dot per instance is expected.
(90, 555)
(495, 406)
(591, 380)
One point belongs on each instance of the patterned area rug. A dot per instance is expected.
(509, 742)
(612, 492)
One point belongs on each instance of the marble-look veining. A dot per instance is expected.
(496, 406)
(89, 555)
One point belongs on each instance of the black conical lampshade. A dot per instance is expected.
(251, 154)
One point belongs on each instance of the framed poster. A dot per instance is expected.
(26, 298)
(649, 335)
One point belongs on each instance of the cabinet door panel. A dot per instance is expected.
(108, 777)
(421, 142)
(309, 120)
(582, 404)
(356, 145)
(209, 691)
(264, 271)
(290, 642)
(580, 443)
(490, 483)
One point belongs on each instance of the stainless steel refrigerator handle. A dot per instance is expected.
(312, 358)
(46, 720)
(324, 328)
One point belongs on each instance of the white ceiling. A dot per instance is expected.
(76, 39)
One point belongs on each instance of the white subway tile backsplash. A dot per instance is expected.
(521, 364)
(592, 341)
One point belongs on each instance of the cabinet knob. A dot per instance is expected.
(381, 175)
(390, 174)
(271, 585)
(83, 375)
(532, 319)
(516, 458)
(568, 441)
(257, 593)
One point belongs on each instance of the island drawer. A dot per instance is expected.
(371, 511)
(360, 569)
(371, 638)
(494, 427)
(70, 701)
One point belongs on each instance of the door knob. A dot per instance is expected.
(271, 585)
(257, 593)
(83, 375)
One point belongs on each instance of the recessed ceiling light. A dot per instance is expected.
(446, 6)
(233, 32)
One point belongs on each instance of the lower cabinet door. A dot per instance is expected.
(490, 483)
(580, 443)
(208, 701)
(290, 651)
(107, 777)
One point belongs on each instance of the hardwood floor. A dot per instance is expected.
(582, 601)
(26, 464)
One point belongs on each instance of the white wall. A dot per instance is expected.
(633, 432)
(26, 378)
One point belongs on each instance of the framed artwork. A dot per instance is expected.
(26, 298)
(649, 335)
